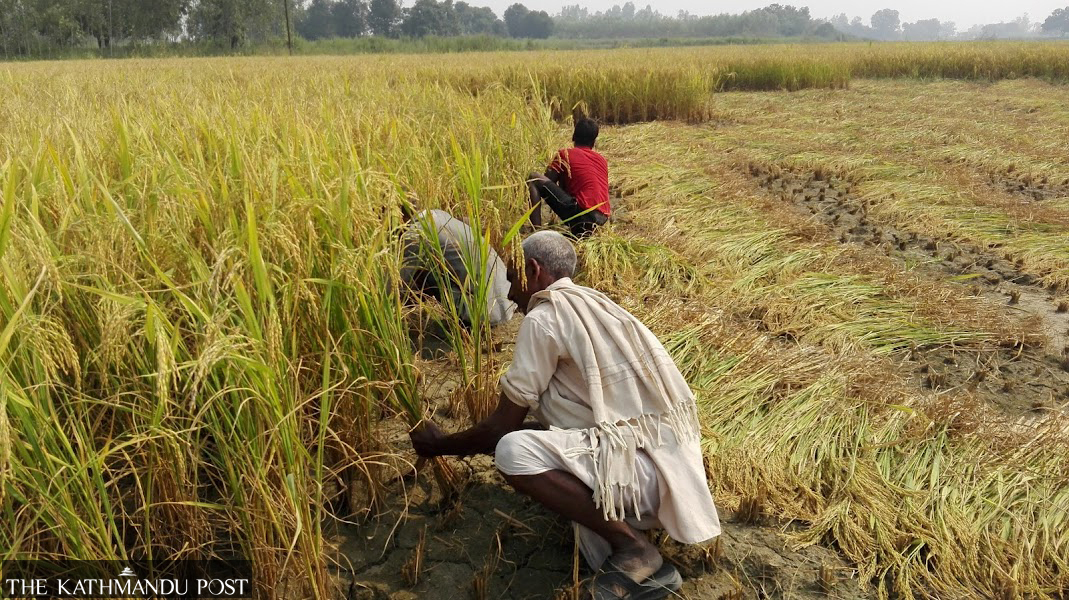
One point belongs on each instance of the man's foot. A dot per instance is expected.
(614, 585)
(640, 562)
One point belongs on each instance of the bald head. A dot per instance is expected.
(552, 251)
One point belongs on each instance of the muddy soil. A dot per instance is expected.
(1029, 187)
(1019, 380)
(490, 542)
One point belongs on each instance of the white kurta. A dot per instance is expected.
(578, 354)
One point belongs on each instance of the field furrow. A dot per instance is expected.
(809, 370)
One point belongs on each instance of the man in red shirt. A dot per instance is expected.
(576, 184)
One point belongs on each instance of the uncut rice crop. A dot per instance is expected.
(628, 85)
(201, 315)
(990, 61)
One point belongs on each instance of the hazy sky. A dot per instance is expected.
(963, 12)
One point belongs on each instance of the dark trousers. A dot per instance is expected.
(581, 221)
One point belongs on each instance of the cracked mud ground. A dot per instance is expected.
(1018, 380)
(490, 542)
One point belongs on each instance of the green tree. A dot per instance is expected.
(885, 23)
(90, 18)
(923, 30)
(537, 24)
(427, 17)
(350, 18)
(58, 23)
(143, 20)
(108, 20)
(1057, 22)
(515, 17)
(648, 14)
(475, 20)
(384, 17)
(316, 22)
(234, 22)
(28, 27)
(523, 23)
(573, 12)
(9, 29)
(221, 20)
(789, 20)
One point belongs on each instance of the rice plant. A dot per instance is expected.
(202, 319)
(203, 327)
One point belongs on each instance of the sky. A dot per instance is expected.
(965, 13)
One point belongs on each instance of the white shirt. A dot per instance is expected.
(548, 378)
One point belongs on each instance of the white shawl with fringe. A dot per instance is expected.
(583, 362)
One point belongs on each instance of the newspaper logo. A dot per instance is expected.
(77, 579)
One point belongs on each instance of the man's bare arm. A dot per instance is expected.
(480, 439)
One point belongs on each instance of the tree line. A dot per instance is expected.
(355, 18)
(886, 25)
(30, 27)
(775, 20)
(625, 21)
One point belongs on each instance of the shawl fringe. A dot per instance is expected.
(614, 448)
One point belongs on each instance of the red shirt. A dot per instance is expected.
(585, 175)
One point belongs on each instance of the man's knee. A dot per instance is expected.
(519, 459)
(510, 453)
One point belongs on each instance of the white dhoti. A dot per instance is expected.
(531, 452)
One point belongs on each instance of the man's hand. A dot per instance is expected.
(426, 440)
(430, 441)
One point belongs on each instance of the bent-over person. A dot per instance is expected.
(621, 450)
(439, 250)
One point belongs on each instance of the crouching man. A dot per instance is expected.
(621, 453)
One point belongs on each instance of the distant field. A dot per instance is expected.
(866, 279)
(383, 45)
